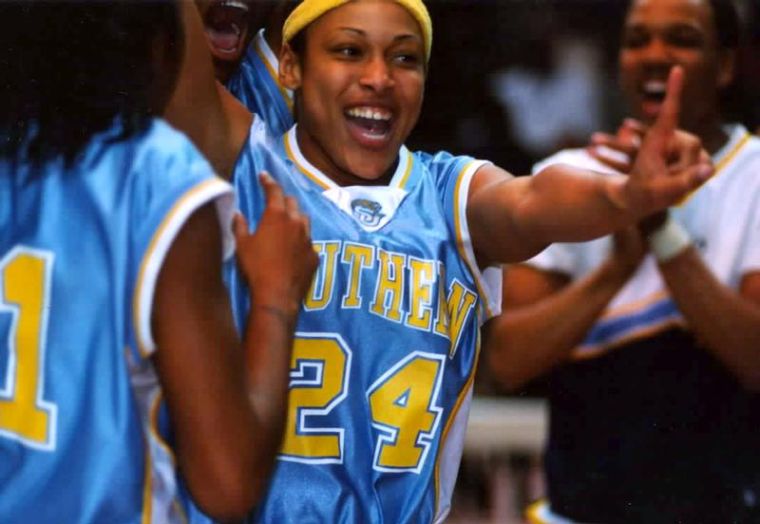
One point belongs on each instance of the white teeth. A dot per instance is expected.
(233, 3)
(368, 113)
(655, 87)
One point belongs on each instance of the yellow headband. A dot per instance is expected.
(309, 10)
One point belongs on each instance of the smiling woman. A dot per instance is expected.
(388, 336)
(359, 86)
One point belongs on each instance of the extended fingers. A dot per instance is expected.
(276, 200)
(625, 144)
(610, 158)
(632, 130)
(618, 151)
(667, 120)
(291, 207)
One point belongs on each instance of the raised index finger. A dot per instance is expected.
(667, 120)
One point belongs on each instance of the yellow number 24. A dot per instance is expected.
(402, 405)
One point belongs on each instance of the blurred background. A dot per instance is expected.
(544, 67)
(513, 81)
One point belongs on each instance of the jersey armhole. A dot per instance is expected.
(213, 189)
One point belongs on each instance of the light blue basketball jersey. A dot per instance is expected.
(387, 340)
(80, 253)
(256, 85)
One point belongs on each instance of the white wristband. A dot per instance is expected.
(668, 240)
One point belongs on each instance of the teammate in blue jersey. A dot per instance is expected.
(650, 342)
(244, 38)
(113, 229)
(388, 336)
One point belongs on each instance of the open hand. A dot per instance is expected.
(670, 163)
(278, 259)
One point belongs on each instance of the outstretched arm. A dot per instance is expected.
(227, 405)
(727, 321)
(537, 301)
(513, 218)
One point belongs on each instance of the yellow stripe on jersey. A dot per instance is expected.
(471, 264)
(302, 168)
(168, 220)
(407, 171)
(636, 306)
(641, 333)
(720, 165)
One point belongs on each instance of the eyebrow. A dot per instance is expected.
(361, 32)
(675, 25)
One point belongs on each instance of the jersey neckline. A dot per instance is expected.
(400, 178)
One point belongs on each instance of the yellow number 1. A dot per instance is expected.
(24, 415)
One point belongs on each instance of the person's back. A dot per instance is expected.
(79, 266)
(113, 312)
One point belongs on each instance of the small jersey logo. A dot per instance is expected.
(367, 212)
(371, 207)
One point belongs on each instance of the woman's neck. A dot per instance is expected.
(318, 157)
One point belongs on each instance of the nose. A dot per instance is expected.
(376, 74)
(658, 51)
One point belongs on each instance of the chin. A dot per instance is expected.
(372, 169)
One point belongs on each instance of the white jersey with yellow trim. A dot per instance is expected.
(387, 340)
(723, 219)
(80, 252)
(647, 425)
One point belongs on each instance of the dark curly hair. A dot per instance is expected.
(69, 69)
